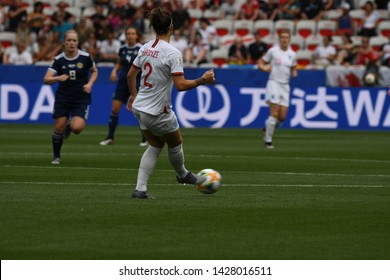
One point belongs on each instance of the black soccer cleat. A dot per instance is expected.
(142, 195)
(191, 178)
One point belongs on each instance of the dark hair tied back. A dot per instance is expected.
(160, 20)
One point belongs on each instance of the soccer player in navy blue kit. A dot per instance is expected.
(127, 53)
(71, 69)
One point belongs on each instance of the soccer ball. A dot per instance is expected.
(370, 79)
(213, 182)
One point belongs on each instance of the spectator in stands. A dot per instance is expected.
(3, 17)
(36, 18)
(324, 54)
(291, 10)
(382, 4)
(83, 29)
(98, 17)
(16, 13)
(61, 27)
(197, 51)
(103, 31)
(109, 48)
(346, 51)
(180, 16)
(115, 19)
(370, 20)
(23, 34)
(345, 23)
(250, 10)
(138, 21)
(338, 3)
(365, 53)
(21, 56)
(269, 9)
(237, 52)
(41, 48)
(208, 33)
(384, 53)
(178, 41)
(230, 10)
(63, 13)
(328, 4)
(312, 9)
(92, 46)
(256, 50)
(148, 6)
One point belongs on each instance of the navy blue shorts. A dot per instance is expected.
(121, 93)
(67, 110)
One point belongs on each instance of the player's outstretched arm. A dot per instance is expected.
(182, 84)
(132, 83)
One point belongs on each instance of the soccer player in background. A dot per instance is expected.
(71, 70)
(280, 61)
(162, 66)
(127, 53)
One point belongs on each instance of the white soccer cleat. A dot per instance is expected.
(107, 142)
(56, 161)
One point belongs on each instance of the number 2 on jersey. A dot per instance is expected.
(149, 66)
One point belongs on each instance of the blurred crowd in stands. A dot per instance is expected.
(208, 32)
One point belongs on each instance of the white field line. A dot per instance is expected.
(170, 170)
(225, 185)
(49, 155)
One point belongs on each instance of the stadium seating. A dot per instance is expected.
(384, 28)
(297, 42)
(227, 40)
(306, 28)
(7, 39)
(284, 24)
(304, 58)
(264, 27)
(326, 27)
(219, 56)
(357, 17)
(212, 15)
(242, 27)
(377, 41)
(195, 14)
(223, 26)
(312, 42)
(270, 40)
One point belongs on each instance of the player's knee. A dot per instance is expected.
(77, 129)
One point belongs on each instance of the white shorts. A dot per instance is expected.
(278, 93)
(158, 125)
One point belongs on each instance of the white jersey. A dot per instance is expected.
(282, 62)
(159, 61)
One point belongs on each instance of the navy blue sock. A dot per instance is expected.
(57, 140)
(112, 124)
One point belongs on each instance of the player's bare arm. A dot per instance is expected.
(263, 66)
(388, 92)
(132, 82)
(182, 84)
(94, 74)
(50, 78)
(294, 72)
(114, 72)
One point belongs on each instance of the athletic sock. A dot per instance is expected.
(112, 124)
(270, 125)
(146, 166)
(176, 159)
(57, 139)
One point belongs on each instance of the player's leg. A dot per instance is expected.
(57, 138)
(79, 118)
(271, 124)
(112, 122)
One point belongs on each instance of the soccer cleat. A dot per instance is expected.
(67, 130)
(143, 144)
(191, 178)
(142, 195)
(56, 161)
(268, 145)
(107, 141)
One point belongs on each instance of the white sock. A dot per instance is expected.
(146, 166)
(176, 159)
(270, 126)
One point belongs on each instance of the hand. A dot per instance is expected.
(129, 105)
(113, 76)
(87, 88)
(388, 92)
(63, 78)
(209, 77)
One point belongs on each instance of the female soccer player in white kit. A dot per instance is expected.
(162, 66)
(281, 62)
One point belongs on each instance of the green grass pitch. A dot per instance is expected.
(317, 195)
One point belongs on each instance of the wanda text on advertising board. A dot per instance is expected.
(237, 100)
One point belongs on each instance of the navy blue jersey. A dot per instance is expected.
(127, 55)
(78, 69)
